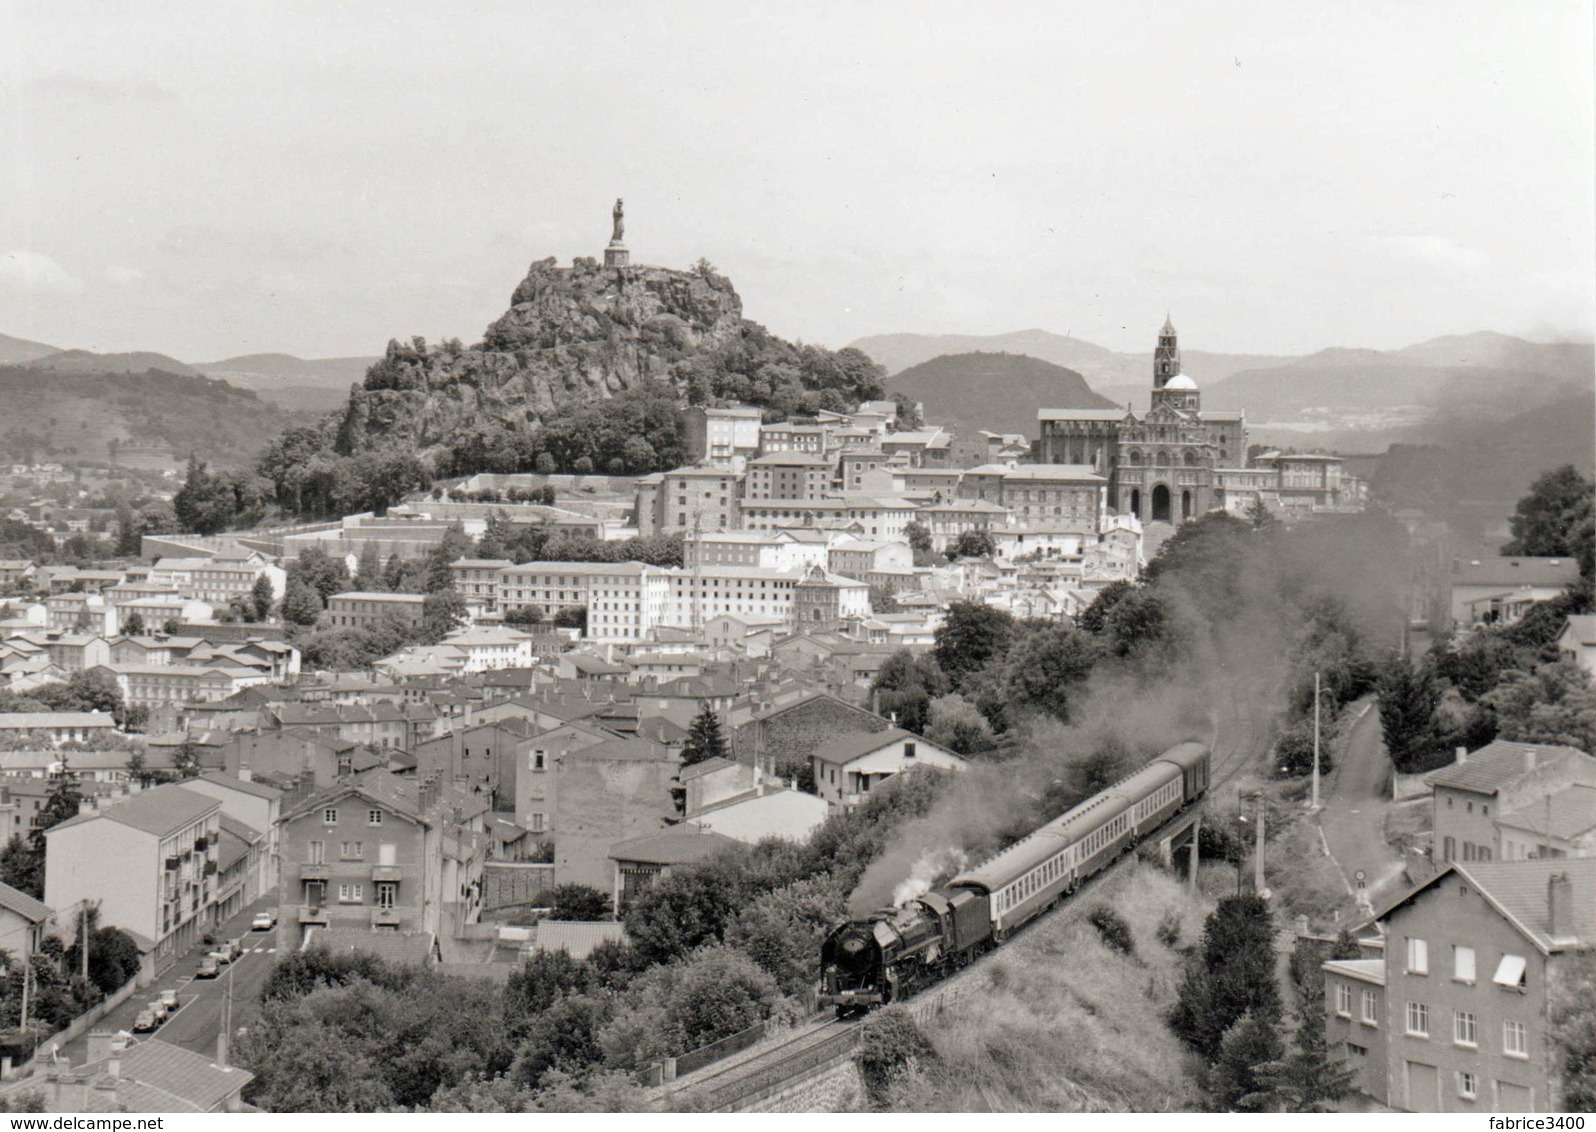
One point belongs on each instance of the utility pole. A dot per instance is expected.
(84, 914)
(27, 970)
(1191, 859)
(1316, 742)
(224, 1029)
(1258, 852)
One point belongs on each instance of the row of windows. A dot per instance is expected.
(1167, 793)
(329, 816)
(1036, 880)
(1511, 970)
(1465, 1029)
(1370, 1013)
(1102, 836)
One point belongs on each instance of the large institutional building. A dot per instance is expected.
(1178, 460)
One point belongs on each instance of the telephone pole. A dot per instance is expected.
(1316, 742)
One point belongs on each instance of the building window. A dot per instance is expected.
(539, 822)
(1464, 1031)
(1344, 1000)
(316, 853)
(539, 760)
(329, 817)
(1510, 972)
(373, 817)
(1418, 1020)
(1515, 1039)
(387, 891)
(1466, 1084)
(1418, 957)
(1463, 964)
(1355, 1050)
(352, 850)
(351, 893)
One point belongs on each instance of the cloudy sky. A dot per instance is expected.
(208, 180)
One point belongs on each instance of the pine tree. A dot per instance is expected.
(368, 574)
(186, 760)
(1250, 1051)
(704, 740)
(301, 603)
(261, 598)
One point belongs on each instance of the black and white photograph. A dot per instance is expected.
(885, 559)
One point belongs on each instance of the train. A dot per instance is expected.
(897, 951)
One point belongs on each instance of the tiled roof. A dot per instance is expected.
(15, 900)
(672, 848)
(1521, 889)
(1368, 970)
(29, 720)
(1565, 813)
(258, 789)
(1504, 570)
(1491, 767)
(1582, 626)
(708, 766)
(577, 938)
(162, 810)
(163, 1073)
(849, 747)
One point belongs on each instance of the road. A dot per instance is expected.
(195, 1024)
(1355, 797)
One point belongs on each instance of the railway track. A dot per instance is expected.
(814, 1043)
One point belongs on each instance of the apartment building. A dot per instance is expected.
(250, 810)
(706, 592)
(724, 436)
(154, 685)
(788, 475)
(359, 610)
(150, 863)
(624, 600)
(685, 499)
(773, 550)
(383, 853)
(1478, 789)
(1476, 961)
(848, 767)
(477, 580)
(220, 580)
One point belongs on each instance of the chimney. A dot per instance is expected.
(1529, 760)
(1560, 906)
(100, 1042)
(244, 773)
(1462, 754)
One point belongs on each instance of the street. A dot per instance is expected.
(201, 1001)
(1355, 797)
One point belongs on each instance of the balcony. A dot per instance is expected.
(387, 872)
(315, 872)
(386, 917)
(312, 914)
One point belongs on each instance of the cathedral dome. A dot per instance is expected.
(1180, 381)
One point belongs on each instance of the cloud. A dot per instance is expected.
(34, 273)
(122, 276)
(1438, 251)
(105, 91)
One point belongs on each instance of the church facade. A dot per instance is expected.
(1164, 465)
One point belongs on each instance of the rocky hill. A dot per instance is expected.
(579, 335)
(997, 392)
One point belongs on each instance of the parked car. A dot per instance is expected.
(209, 967)
(264, 922)
(144, 1023)
(157, 1008)
(169, 999)
(233, 947)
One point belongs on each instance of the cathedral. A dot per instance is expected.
(1163, 465)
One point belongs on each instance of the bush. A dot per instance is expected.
(1169, 929)
(890, 1041)
(1115, 931)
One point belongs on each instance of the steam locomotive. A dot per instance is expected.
(897, 951)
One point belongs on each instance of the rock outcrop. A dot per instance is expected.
(571, 336)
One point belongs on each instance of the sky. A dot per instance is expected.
(207, 180)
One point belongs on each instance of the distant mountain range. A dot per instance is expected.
(959, 388)
(1321, 398)
(300, 384)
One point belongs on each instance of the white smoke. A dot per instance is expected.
(931, 865)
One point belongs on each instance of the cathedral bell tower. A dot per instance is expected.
(1166, 358)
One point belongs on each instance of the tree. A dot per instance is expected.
(578, 902)
(206, 502)
(957, 725)
(704, 739)
(138, 769)
(1546, 520)
(1044, 668)
(442, 612)
(186, 760)
(1248, 1049)
(1137, 624)
(261, 598)
(133, 626)
(919, 539)
(368, 573)
(302, 605)
(1408, 697)
(450, 549)
(971, 635)
(1233, 974)
(973, 544)
(113, 956)
(718, 992)
(21, 867)
(1574, 1033)
(904, 686)
(1094, 619)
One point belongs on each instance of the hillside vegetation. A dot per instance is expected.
(76, 416)
(997, 392)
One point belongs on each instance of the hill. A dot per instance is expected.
(316, 384)
(14, 351)
(86, 361)
(74, 416)
(998, 392)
